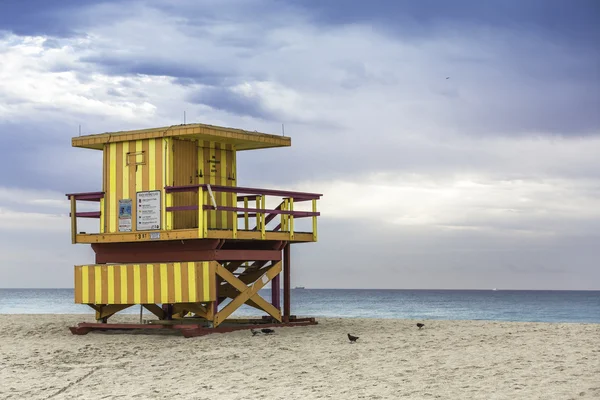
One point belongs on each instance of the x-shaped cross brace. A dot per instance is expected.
(247, 293)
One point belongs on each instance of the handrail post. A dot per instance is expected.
(291, 227)
(235, 218)
(73, 220)
(246, 222)
(284, 207)
(258, 214)
(263, 225)
(169, 216)
(205, 215)
(102, 215)
(200, 212)
(314, 219)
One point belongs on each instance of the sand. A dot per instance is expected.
(40, 359)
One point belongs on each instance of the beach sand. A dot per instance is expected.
(41, 359)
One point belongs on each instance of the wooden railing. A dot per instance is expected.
(260, 214)
(90, 196)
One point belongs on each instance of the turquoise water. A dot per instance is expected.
(535, 306)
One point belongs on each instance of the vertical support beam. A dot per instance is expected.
(215, 304)
(258, 214)
(291, 226)
(314, 219)
(205, 214)
(276, 292)
(200, 213)
(73, 220)
(169, 216)
(263, 224)
(286, 283)
(246, 222)
(102, 215)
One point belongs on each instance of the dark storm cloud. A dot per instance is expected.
(186, 73)
(43, 17)
(572, 21)
(227, 100)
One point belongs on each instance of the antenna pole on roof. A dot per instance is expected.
(184, 117)
(282, 130)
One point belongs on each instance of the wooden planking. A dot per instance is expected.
(130, 167)
(217, 164)
(185, 282)
(185, 169)
(183, 234)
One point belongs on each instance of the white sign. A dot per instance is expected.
(148, 210)
(125, 215)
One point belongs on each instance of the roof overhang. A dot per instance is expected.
(243, 140)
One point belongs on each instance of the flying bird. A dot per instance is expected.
(420, 325)
(267, 331)
(353, 339)
(447, 77)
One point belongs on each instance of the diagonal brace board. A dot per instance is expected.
(247, 293)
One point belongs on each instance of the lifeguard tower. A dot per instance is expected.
(180, 238)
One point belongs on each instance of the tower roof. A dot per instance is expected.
(243, 140)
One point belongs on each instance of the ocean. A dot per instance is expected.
(500, 305)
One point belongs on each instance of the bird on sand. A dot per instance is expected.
(420, 325)
(267, 331)
(353, 339)
(254, 333)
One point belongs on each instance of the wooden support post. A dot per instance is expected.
(246, 222)
(291, 220)
(263, 224)
(169, 216)
(276, 292)
(200, 213)
(314, 219)
(286, 283)
(73, 220)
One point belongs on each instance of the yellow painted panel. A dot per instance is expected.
(178, 296)
(139, 168)
(85, 285)
(98, 288)
(164, 292)
(112, 212)
(192, 282)
(125, 171)
(151, 163)
(150, 283)
(206, 281)
(137, 283)
(197, 288)
(123, 284)
(111, 284)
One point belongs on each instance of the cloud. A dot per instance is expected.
(457, 180)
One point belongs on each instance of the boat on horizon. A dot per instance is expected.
(299, 287)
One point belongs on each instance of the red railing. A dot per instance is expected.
(260, 213)
(90, 196)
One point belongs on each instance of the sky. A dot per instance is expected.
(456, 144)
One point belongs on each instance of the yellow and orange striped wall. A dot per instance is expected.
(182, 282)
(151, 164)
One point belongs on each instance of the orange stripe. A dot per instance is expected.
(185, 287)
(157, 287)
(92, 284)
(78, 283)
(104, 274)
(143, 284)
(146, 166)
(130, 279)
(132, 192)
(117, 274)
(107, 204)
(171, 282)
(159, 162)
